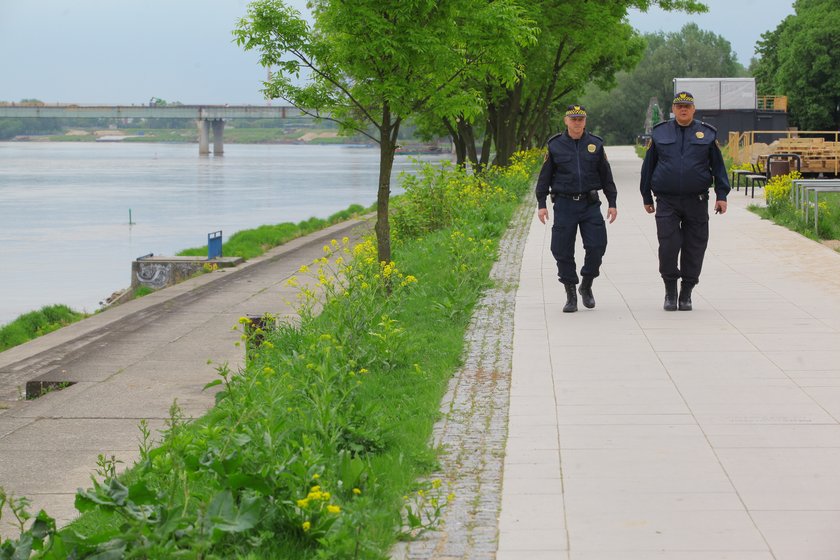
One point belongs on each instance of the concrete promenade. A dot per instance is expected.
(640, 434)
(131, 363)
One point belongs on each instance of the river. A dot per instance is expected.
(65, 235)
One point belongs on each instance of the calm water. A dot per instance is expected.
(64, 231)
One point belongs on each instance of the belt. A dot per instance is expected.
(575, 196)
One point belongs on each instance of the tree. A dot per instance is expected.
(619, 113)
(580, 41)
(801, 59)
(372, 63)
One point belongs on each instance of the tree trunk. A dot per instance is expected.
(458, 142)
(485, 146)
(467, 133)
(387, 147)
(506, 115)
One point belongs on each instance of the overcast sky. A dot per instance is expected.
(122, 52)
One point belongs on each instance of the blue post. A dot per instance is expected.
(214, 245)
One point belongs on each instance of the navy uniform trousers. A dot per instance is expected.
(569, 215)
(682, 226)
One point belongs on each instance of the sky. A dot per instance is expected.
(126, 52)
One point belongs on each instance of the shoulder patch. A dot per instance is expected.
(553, 137)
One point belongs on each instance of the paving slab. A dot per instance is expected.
(709, 435)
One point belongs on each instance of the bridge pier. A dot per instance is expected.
(204, 136)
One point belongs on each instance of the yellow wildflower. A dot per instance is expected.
(357, 491)
(333, 509)
(306, 526)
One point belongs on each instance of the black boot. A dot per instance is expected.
(670, 295)
(685, 296)
(586, 292)
(571, 299)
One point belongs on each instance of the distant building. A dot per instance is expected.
(731, 104)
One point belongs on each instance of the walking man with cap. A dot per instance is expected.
(682, 159)
(575, 169)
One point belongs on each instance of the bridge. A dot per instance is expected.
(206, 116)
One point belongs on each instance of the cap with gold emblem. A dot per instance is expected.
(683, 98)
(576, 111)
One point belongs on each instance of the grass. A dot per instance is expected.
(780, 210)
(37, 323)
(315, 448)
(786, 215)
(252, 243)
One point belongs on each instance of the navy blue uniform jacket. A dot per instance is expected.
(682, 161)
(574, 167)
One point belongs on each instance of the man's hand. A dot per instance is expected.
(650, 208)
(543, 214)
(720, 207)
(612, 214)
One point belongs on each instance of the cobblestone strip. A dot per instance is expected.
(473, 431)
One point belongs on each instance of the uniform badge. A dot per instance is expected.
(699, 134)
(591, 148)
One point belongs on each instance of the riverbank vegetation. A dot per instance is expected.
(314, 449)
(37, 323)
(250, 243)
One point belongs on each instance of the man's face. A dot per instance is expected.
(575, 125)
(683, 112)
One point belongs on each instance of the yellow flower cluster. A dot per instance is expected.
(315, 495)
(778, 187)
(522, 164)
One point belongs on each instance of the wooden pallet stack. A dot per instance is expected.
(818, 155)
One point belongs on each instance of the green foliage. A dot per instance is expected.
(437, 197)
(777, 191)
(371, 65)
(313, 449)
(554, 71)
(781, 210)
(250, 243)
(141, 291)
(800, 59)
(618, 114)
(37, 323)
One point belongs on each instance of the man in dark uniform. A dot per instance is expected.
(575, 169)
(682, 159)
